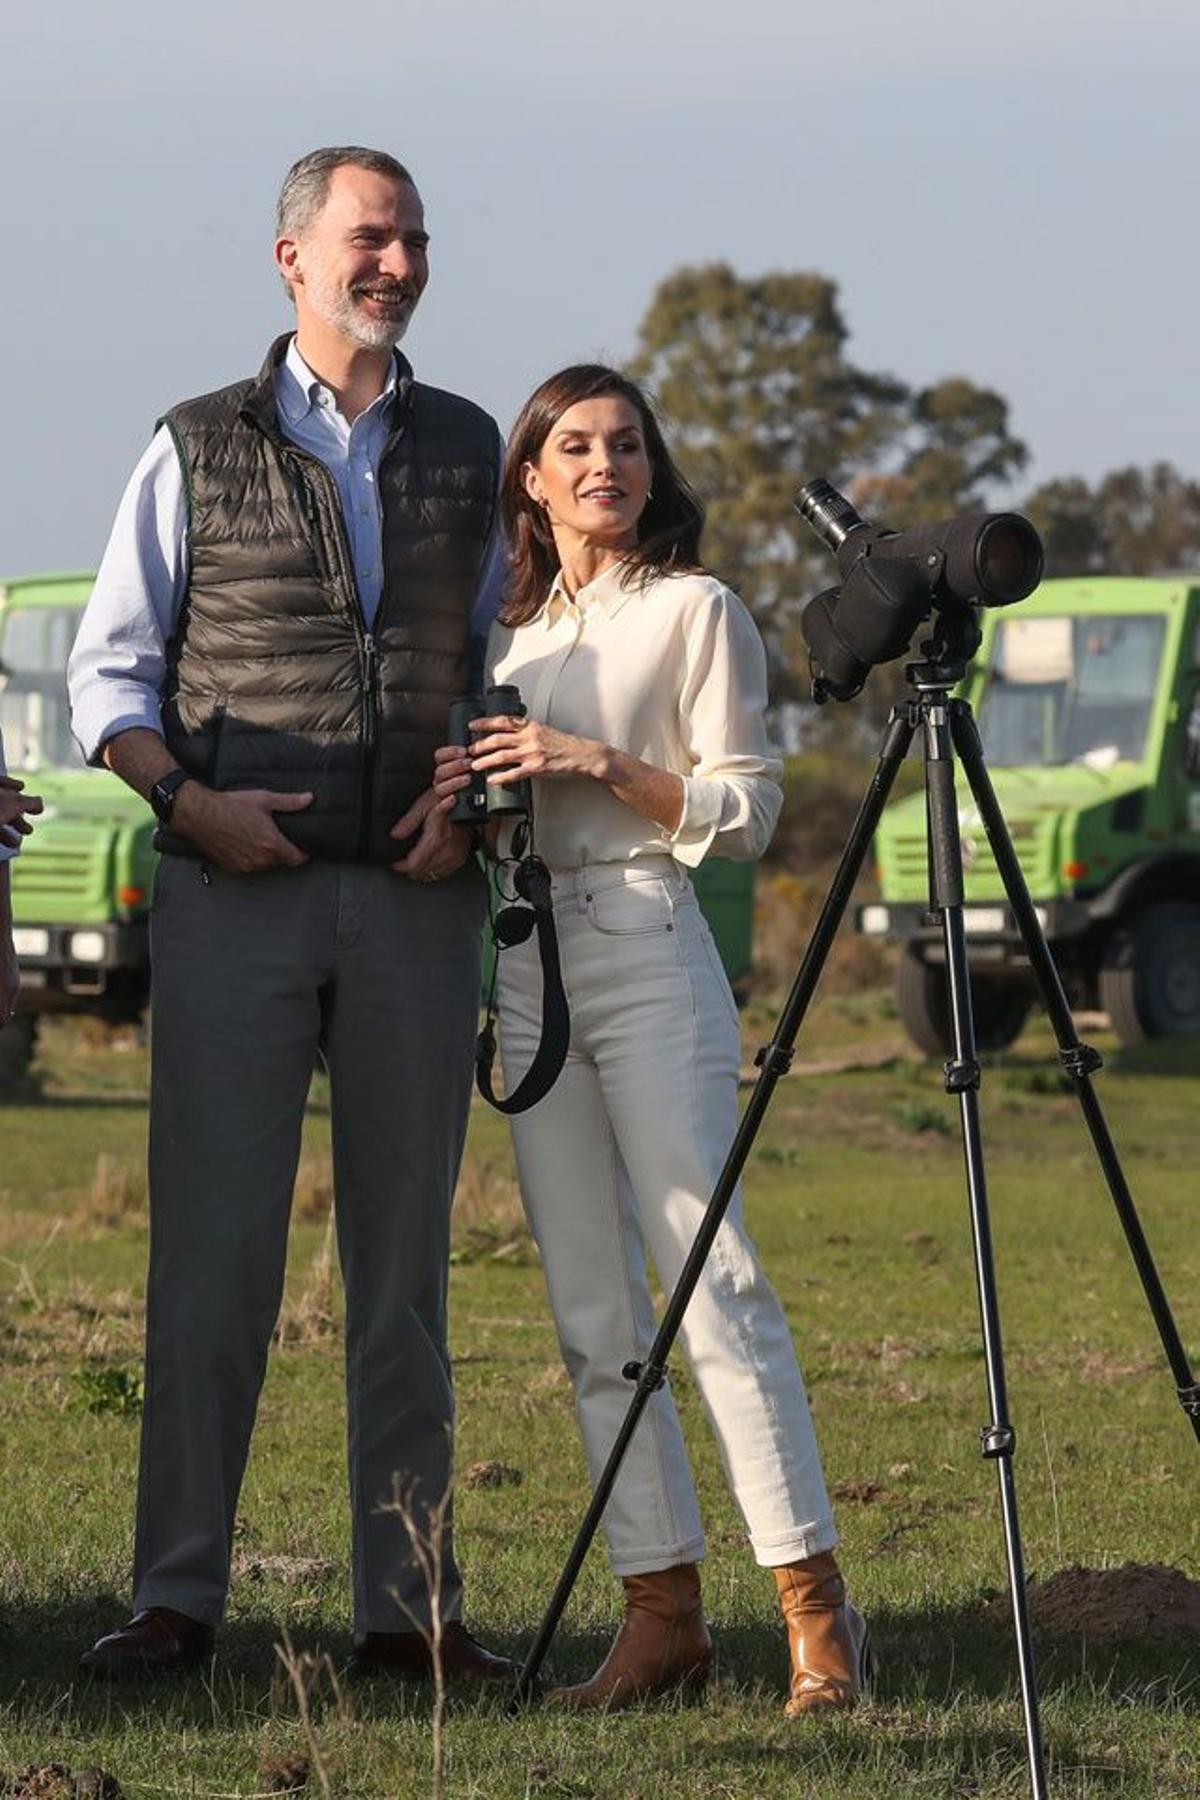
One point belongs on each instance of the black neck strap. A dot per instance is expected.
(533, 884)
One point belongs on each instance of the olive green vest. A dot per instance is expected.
(273, 679)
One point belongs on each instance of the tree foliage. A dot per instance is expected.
(759, 394)
(1133, 522)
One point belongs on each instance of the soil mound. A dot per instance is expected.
(1139, 1602)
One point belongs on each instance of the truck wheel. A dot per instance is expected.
(18, 1041)
(999, 1008)
(1150, 976)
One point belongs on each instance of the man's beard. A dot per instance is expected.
(341, 310)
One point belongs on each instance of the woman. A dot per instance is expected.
(645, 683)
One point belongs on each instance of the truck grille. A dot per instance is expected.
(61, 871)
(1032, 841)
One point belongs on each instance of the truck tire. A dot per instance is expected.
(999, 1007)
(1150, 975)
(18, 1042)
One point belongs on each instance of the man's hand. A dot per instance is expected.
(14, 804)
(237, 830)
(440, 847)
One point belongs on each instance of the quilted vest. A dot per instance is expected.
(273, 679)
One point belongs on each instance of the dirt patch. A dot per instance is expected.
(55, 1781)
(289, 1569)
(1139, 1602)
(492, 1475)
(288, 1776)
(863, 1492)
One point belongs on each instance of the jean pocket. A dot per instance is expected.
(635, 909)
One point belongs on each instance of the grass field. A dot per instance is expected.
(856, 1197)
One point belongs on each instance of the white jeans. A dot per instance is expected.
(622, 1154)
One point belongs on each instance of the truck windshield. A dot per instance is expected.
(35, 642)
(1071, 690)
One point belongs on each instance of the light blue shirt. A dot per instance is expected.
(118, 666)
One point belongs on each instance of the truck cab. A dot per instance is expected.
(1087, 698)
(81, 885)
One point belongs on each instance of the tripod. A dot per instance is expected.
(946, 726)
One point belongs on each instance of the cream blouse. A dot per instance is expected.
(675, 674)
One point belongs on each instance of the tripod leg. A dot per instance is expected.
(773, 1061)
(998, 1440)
(1078, 1059)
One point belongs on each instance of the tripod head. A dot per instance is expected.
(944, 655)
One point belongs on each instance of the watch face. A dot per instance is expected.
(162, 794)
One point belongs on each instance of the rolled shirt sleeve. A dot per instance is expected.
(732, 795)
(118, 664)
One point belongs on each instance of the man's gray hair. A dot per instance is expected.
(306, 185)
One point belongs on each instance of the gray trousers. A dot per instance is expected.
(251, 974)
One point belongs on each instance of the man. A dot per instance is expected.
(280, 621)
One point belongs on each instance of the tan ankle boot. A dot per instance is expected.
(662, 1644)
(827, 1638)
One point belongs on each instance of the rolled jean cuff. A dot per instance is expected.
(812, 1540)
(652, 1562)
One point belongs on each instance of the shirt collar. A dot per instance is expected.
(298, 390)
(606, 594)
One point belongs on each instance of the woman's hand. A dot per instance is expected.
(506, 749)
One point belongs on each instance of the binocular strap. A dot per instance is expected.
(551, 1052)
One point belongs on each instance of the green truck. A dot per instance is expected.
(1087, 698)
(82, 883)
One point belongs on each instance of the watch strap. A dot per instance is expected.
(162, 794)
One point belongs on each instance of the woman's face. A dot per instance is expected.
(593, 472)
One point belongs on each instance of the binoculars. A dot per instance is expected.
(482, 801)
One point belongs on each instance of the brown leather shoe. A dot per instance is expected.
(663, 1644)
(159, 1641)
(407, 1655)
(827, 1638)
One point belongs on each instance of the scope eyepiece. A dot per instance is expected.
(828, 512)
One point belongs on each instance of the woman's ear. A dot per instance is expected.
(533, 484)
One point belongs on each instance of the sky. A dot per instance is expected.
(1006, 191)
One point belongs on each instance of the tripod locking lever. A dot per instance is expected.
(648, 1376)
(961, 1077)
(775, 1057)
(1080, 1060)
(997, 1440)
(1189, 1399)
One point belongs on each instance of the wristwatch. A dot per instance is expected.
(162, 794)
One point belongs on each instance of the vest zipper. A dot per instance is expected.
(367, 649)
(370, 733)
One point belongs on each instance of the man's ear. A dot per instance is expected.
(287, 255)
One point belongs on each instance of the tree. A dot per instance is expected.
(955, 445)
(758, 395)
(1133, 522)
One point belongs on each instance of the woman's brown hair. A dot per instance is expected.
(672, 519)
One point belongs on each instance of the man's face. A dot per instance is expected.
(361, 265)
